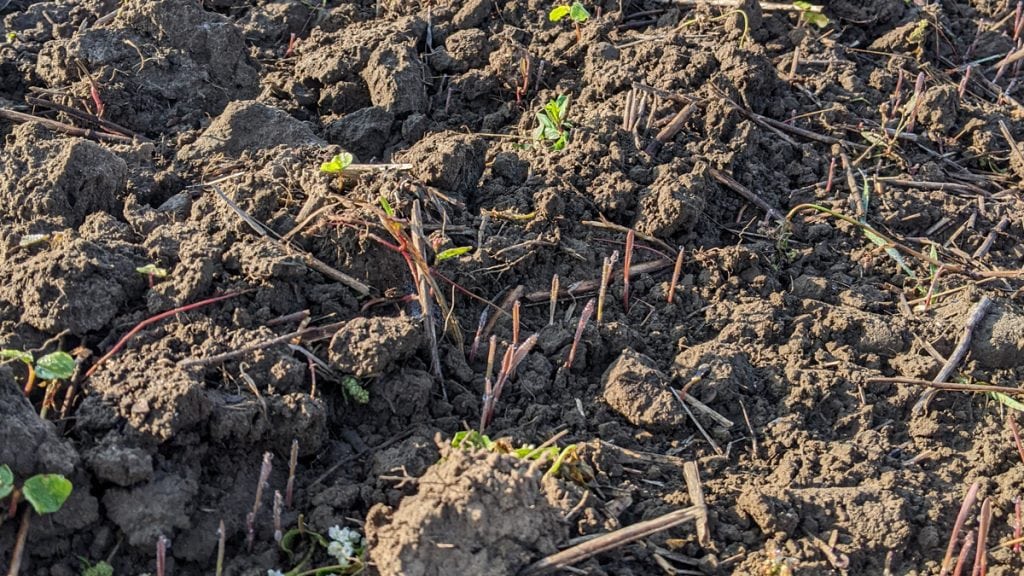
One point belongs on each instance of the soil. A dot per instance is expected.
(786, 333)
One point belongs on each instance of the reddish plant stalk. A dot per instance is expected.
(627, 260)
(553, 304)
(293, 461)
(1017, 525)
(588, 310)
(962, 88)
(676, 270)
(961, 559)
(515, 324)
(1016, 437)
(606, 278)
(152, 320)
(961, 517)
(918, 96)
(980, 556)
(278, 505)
(831, 175)
(250, 519)
(161, 555)
(475, 347)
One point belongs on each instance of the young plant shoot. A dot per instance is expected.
(576, 12)
(337, 166)
(552, 126)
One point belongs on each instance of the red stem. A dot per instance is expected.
(141, 325)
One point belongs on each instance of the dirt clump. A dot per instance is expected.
(186, 63)
(482, 513)
(634, 387)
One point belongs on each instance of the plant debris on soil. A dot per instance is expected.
(339, 233)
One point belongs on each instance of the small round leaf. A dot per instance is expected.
(558, 12)
(46, 492)
(578, 13)
(55, 366)
(6, 481)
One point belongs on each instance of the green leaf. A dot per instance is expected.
(472, 439)
(386, 206)
(578, 13)
(558, 12)
(891, 251)
(354, 390)
(46, 492)
(559, 144)
(6, 481)
(451, 253)
(562, 103)
(1008, 401)
(152, 270)
(553, 112)
(337, 164)
(19, 355)
(55, 366)
(101, 568)
(815, 18)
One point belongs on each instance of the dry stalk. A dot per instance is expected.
(293, 461)
(606, 277)
(250, 519)
(588, 310)
(977, 315)
(627, 261)
(984, 521)
(612, 540)
(676, 270)
(553, 305)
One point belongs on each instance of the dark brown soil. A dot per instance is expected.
(782, 332)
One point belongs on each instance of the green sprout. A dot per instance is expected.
(151, 272)
(577, 13)
(100, 568)
(451, 253)
(352, 389)
(811, 13)
(337, 166)
(26, 359)
(45, 492)
(552, 125)
(53, 368)
(575, 470)
(11, 37)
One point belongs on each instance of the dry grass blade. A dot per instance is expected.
(424, 284)
(696, 491)
(742, 190)
(612, 540)
(977, 315)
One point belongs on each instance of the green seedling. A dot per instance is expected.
(576, 12)
(45, 492)
(26, 359)
(451, 253)
(100, 568)
(352, 389)
(337, 166)
(811, 14)
(51, 369)
(152, 272)
(11, 37)
(552, 126)
(574, 469)
(870, 233)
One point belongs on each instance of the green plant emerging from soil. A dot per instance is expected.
(45, 492)
(552, 126)
(50, 369)
(354, 390)
(811, 14)
(573, 469)
(576, 12)
(337, 166)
